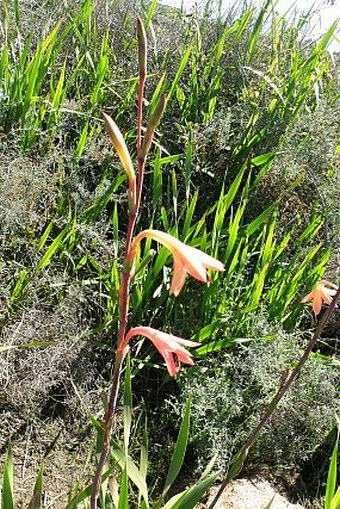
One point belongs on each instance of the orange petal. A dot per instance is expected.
(208, 261)
(317, 303)
(185, 357)
(192, 260)
(324, 282)
(308, 297)
(178, 278)
(326, 297)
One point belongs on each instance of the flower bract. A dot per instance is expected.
(124, 156)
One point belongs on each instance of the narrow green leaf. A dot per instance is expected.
(262, 159)
(336, 500)
(179, 73)
(189, 215)
(180, 449)
(36, 500)
(159, 90)
(127, 411)
(230, 196)
(254, 36)
(207, 331)
(34, 344)
(257, 223)
(85, 494)
(157, 187)
(7, 483)
(123, 502)
(143, 462)
(233, 231)
(17, 12)
(57, 98)
(45, 235)
(92, 213)
(220, 344)
(82, 140)
(332, 475)
(45, 260)
(188, 164)
(257, 288)
(150, 13)
(190, 497)
(133, 472)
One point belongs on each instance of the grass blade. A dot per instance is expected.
(36, 500)
(45, 260)
(133, 472)
(180, 448)
(127, 411)
(190, 497)
(123, 502)
(7, 483)
(332, 475)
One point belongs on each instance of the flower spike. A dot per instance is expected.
(323, 292)
(169, 346)
(186, 259)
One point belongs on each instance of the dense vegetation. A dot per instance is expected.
(244, 167)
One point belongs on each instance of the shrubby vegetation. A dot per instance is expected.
(244, 167)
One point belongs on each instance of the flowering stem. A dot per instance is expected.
(124, 290)
(238, 460)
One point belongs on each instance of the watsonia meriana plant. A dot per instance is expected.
(186, 260)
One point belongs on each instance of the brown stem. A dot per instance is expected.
(111, 410)
(239, 459)
(109, 423)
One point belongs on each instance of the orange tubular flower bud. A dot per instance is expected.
(124, 156)
(169, 346)
(152, 126)
(186, 259)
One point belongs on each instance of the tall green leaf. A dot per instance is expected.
(36, 500)
(180, 449)
(332, 475)
(7, 482)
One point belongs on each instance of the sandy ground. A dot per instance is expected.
(253, 493)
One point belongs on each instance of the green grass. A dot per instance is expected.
(235, 89)
(40, 81)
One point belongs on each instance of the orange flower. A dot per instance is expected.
(320, 294)
(186, 259)
(170, 347)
